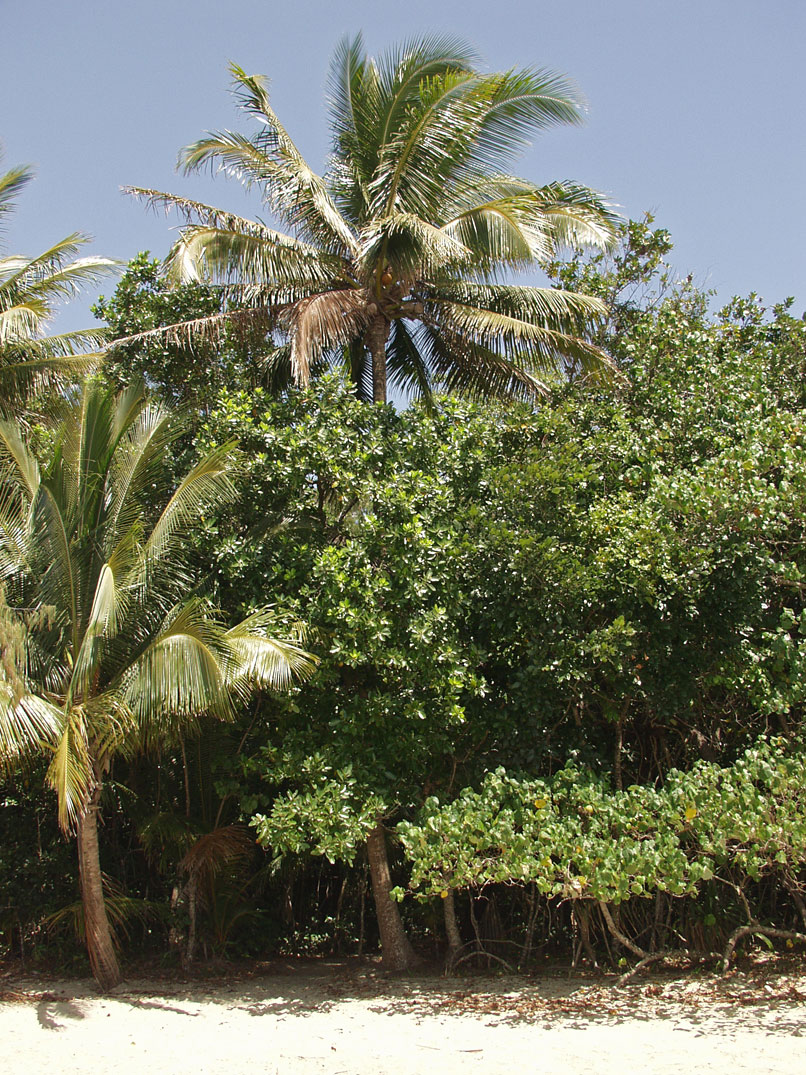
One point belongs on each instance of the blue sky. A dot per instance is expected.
(696, 112)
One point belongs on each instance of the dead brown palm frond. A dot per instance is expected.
(202, 331)
(226, 845)
(320, 322)
(191, 210)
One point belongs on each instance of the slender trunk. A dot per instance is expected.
(451, 925)
(618, 779)
(398, 955)
(192, 891)
(375, 339)
(580, 913)
(103, 961)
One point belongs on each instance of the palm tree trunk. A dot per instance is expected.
(375, 339)
(397, 953)
(103, 961)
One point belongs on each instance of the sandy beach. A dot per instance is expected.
(341, 1017)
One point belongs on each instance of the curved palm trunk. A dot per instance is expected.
(375, 339)
(103, 961)
(397, 952)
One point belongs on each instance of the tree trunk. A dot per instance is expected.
(375, 339)
(617, 751)
(451, 925)
(103, 961)
(398, 955)
(192, 891)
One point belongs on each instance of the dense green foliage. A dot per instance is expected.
(574, 838)
(612, 578)
(189, 377)
(560, 645)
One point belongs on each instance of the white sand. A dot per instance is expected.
(340, 1018)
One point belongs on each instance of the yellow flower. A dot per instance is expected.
(540, 804)
(443, 894)
(691, 813)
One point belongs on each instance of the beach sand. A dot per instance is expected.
(338, 1016)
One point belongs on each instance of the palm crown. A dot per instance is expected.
(116, 652)
(29, 289)
(398, 258)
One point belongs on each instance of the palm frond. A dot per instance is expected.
(58, 584)
(12, 183)
(200, 331)
(209, 482)
(457, 363)
(501, 233)
(270, 260)
(214, 850)
(369, 101)
(413, 247)
(428, 149)
(354, 107)
(519, 103)
(405, 67)
(121, 911)
(512, 334)
(358, 364)
(577, 216)
(28, 724)
(21, 321)
(263, 659)
(39, 369)
(563, 311)
(142, 430)
(51, 275)
(192, 211)
(321, 322)
(462, 121)
(19, 464)
(30, 361)
(14, 531)
(70, 772)
(272, 160)
(538, 332)
(408, 367)
(108, 608)
(183, 673)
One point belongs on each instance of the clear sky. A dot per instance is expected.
(696, 111)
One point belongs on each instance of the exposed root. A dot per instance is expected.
(758, 931)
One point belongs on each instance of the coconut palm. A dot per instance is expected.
(399, 258)
(29, 289)
(115, 657)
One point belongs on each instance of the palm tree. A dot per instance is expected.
(397, 259)
(29, 288)
(108, 653)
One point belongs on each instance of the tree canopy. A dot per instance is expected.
(395, 262)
